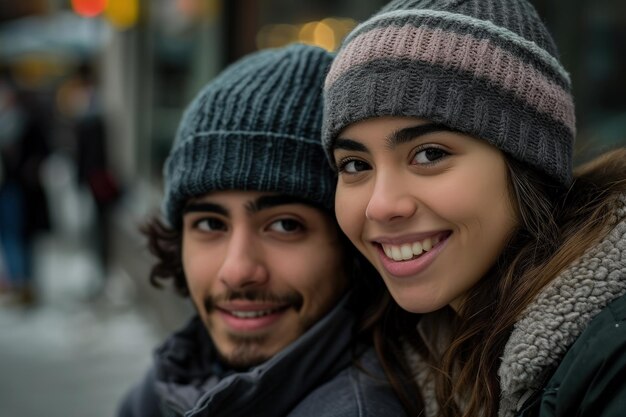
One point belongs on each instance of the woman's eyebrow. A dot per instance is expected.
(410, 133)
(349, 145)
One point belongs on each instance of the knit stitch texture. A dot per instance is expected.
(488, 68)
(257, 126)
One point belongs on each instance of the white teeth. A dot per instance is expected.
(396, 254)
(408, 251)
(251, 314)
(417, 248)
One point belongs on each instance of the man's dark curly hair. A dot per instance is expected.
(165, 243)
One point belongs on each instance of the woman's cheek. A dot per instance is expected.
(350, 209)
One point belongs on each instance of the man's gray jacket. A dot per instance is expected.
(314, 376)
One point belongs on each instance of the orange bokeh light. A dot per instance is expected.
(89, 8)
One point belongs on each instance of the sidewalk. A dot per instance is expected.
(69, 356)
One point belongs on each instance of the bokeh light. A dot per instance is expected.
(327, 33)
(122, 14)
(89, 8)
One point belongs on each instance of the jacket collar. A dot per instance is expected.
(188, 378)
(560, 314)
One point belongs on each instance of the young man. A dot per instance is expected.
(251, 238)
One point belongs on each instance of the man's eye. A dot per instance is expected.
(429, 155)
(352, 166)
(210, 225)
(286, 226)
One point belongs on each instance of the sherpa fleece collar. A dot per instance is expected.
(559, 315)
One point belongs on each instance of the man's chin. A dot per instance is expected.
(245, 352)
(242, 361)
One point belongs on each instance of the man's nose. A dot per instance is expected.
(244, 264)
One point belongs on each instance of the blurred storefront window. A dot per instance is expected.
(591, 35)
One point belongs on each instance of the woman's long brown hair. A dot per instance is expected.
(555, 227)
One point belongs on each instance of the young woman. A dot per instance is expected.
(451, 124)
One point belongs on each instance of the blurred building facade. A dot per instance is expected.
(152, 56)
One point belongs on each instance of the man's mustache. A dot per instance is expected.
(292, 299)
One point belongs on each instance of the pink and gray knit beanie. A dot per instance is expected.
(487, 68)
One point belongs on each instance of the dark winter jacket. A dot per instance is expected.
(314, 376)
(566, 356)
(591, 379)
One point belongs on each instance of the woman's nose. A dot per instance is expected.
(390, 200)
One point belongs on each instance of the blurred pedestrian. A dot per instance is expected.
(94, 173)
(24, 145)
(80, 105)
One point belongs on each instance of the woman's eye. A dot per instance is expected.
(429, 155)
(352, 166)
(210, 225)
(286, 226)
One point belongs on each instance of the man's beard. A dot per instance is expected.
(246, 353)
(248, 350)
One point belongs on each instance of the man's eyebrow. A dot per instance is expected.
(269, 201)
(410, 133)
(205, 207)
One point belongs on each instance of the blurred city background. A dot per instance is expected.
(90, 96)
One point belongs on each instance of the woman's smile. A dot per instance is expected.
(405, 248)
(410, 259)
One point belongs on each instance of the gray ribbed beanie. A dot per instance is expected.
(256, 126)
(488, 68)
